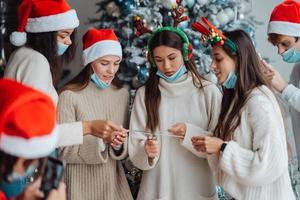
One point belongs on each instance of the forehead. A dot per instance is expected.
(217, 49)
(68, 31)
(286, 38)
(276, 39)
(164, 51)
(109, 58)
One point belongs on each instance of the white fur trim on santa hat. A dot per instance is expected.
(102, 48)
(18, 38)
(29, 148)
(284, 28)
(66, 20)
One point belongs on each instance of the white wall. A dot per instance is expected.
(261, 10)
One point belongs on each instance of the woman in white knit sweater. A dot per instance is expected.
(175, 104)
(250, 139)
(50, 28)
(94, 170)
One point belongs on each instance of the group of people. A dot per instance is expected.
(186, 133)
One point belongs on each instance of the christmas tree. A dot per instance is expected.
(120, 15)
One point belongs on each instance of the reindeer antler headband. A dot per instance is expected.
(212, 34)
(178, 18)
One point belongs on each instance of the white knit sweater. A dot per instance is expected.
(32, 68)
(254, 165)
(179, 172)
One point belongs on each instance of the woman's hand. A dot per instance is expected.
(273, 75)
(207, 144)
(178, 129)
(32, 192)
(152, 147)
(118, 139)
(59, 194)
(104, 129)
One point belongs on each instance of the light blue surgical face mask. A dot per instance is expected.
(61, 48)
(291, 55)
(18, 183)
(180, 72)
(230, 82)
(99, 83)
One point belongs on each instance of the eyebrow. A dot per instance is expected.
(216, 54)
(67, 32)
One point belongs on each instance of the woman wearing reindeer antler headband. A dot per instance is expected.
(174, 105)
(249, 139)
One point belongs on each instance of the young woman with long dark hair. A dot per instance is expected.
(175, 104)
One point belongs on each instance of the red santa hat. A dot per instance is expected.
(98, 43)
(285, 19)
(36, 16)
(27, 121)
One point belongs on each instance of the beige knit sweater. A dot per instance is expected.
(93, 170)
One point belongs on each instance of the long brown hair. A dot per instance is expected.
(249, 76)
(152, 92)
(82, 80)
(46, 44)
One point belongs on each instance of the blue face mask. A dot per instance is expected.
(61, 48)
(291, 55)
(99, 83)
(230, 81)
(18, 183)
(180, 72)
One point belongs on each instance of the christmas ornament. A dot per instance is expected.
(189, 3)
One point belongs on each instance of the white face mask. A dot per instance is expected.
(180, 72)
(61, 48)
(99, 83)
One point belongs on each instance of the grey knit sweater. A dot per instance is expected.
(91, 172)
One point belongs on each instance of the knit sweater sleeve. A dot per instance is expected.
(267, 159)
(213, 98)
(137, 140)
(292, 93)
(84, 153)
(123, 153)
(32, 69)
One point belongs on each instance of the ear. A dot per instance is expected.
(149, 58)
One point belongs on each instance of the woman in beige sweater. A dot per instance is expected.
(94, 170)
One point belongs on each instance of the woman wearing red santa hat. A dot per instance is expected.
(284, 33)
(46, 33)
(28, 134)
(97, 96)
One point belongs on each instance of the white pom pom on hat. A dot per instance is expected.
(18, 38)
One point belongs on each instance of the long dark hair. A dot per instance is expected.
(82, 80)
(8, 162)
(249, 76)
(152, 92)
(46, 44)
